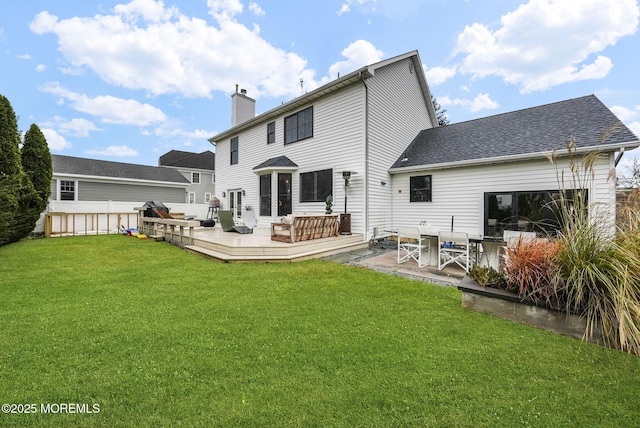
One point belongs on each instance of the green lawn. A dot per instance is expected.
(157, 337)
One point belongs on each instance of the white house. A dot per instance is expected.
(289, 159)
(378, 123)
(494, 173)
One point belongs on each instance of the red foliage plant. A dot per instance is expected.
(530, 268)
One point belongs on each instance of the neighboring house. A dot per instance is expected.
(198, 168)
(494, 173)
(289, 159)
(81, 181)
(481, 174)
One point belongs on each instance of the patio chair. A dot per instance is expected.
(411, 245)
(228, 225)
(249, 219)
(453, 248)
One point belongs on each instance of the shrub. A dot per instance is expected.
(487, 276)
(531, 269)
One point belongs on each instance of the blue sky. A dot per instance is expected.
(130, 80)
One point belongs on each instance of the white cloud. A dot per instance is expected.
(55, 141)
(480, 102)
(25, 56)
(544, 43)
(108, 108)
(256, 9)
(635, 128)
(77, 127)
(40, 68)
(624, 113)
(438, 75)
(145, 45)
(117, 151)
(358, 54)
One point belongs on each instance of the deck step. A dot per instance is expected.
(217, 255)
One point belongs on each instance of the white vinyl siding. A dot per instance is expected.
(459, 192)
(337, 143)
(397, 113)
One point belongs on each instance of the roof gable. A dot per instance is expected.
(354, 77)
(536, 130)
(99, 168)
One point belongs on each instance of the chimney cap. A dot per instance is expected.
(243, 91)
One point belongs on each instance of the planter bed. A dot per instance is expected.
(510, 306)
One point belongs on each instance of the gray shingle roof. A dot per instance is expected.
(534, 130)
(277, 162)
(205, 160)
(100, 168)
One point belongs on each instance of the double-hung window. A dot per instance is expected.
(195, 177)
(271, 132)
(234, 150)
(298, 126)
(316, 186)
(67, 190)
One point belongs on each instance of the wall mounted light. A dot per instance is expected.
(224, 194)
(243, 192)
(384, 183)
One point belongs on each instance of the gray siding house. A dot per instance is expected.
(198, 169)
(85, 180)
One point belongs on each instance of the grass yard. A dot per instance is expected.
(156, 337)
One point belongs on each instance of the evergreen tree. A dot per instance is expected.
(36, 163)
(443, 120)
(18, 198)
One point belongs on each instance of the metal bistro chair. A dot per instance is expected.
(453, 247)
(411, 245)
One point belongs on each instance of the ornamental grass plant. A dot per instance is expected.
(598, 273)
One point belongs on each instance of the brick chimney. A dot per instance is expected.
(243, 108)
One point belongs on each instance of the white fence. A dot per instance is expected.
(102, 217)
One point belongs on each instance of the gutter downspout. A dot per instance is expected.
(366, 157)
(619, 157)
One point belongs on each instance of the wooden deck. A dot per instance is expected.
(258, 247)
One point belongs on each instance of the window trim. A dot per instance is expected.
(190, 199)
(73, 191)
(537, 226)
(232, 151)
(271, 132)
(315, 175)
(428, 190)
(193, 177)
(207, 197)
(265, 208)
(296, 116)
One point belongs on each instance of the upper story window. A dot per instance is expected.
(234, 150)
(298, 126)
(195, 177)
(67, 190)
(271, 132)
(420, 188)
(316, 186)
